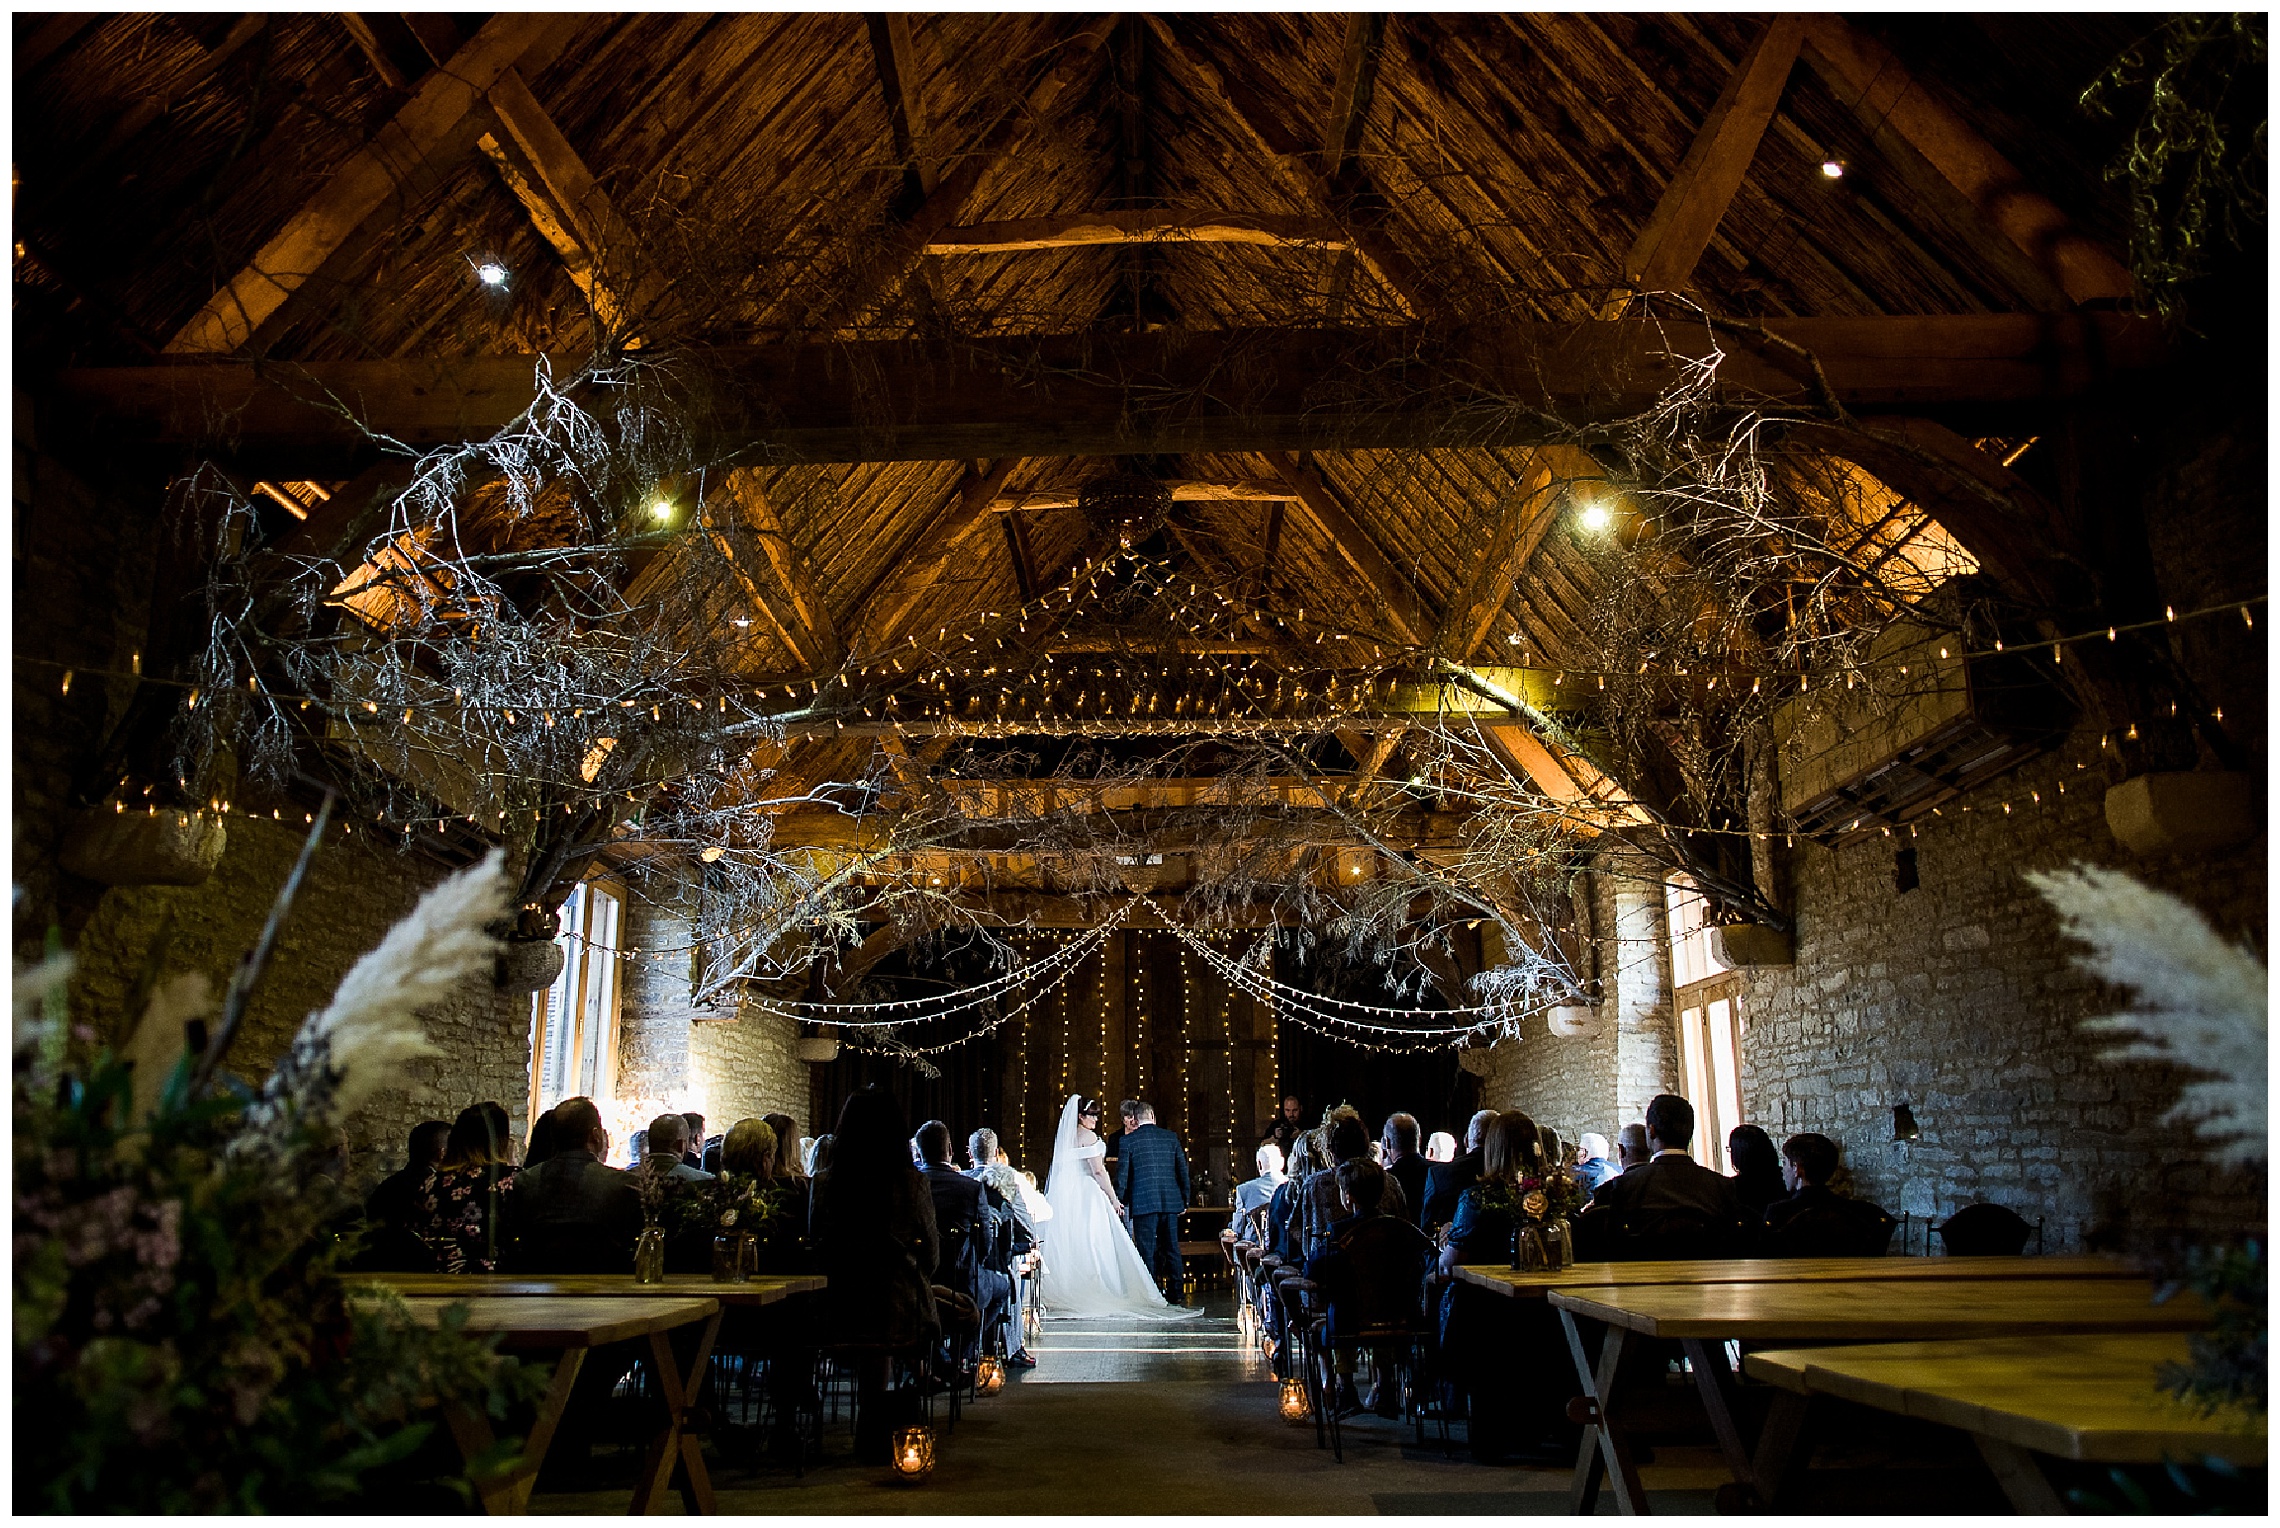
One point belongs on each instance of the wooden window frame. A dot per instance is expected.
(578, 965)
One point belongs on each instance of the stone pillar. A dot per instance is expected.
(1646, 1042)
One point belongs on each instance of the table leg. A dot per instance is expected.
(1599, 1438)
(674, 1444)
(471, 1430)
(1708, 1361)
(2022, 1478)
(1785, 1442)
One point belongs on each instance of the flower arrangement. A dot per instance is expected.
(183, 1340)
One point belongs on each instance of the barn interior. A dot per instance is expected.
(1433, 562)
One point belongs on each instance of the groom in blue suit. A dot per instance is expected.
(1152, 1180)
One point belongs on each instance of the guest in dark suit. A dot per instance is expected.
(1815, 1220)
(1403, 1161)
(1447, 1181)
(1318, 1208)
(871, 1223)
(573, 1213)
(401, 1211)
(1288, 1125)
(1152, 1180)
(967, 1225)
(1672, 1207)
(1506, 1355)
(693, 1154)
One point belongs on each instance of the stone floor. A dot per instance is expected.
(1126, 1417)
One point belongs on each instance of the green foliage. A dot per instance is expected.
(2228, 1367)
(2195, 164)
(183, 1342)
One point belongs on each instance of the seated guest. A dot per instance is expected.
(750, 1151)
(790, 1164)
(966, 1221)
(476, 1174)
(693, 1152)
(1591, 1165)
(1631, 1148)
(1370, 1274)
(819, 1156)
(666, 1150)
(1757, 1170)
(1283, 1227)
(1440, 1146)
(1318, 1206)
(574, 1213)
(1252, 1195)
(1481, 1333)
(1017, 1230)
(1446, 1183)
(871, 1225)
(540, 1146)
(1670, 1207)
(1815, 1220)
(1402, 1160)
(1551, 1152)
(400, 1213)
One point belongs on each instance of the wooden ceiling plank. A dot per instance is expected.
(1350, 97)
(1878, 89)
(795, 576)
(52, 37)
(1024, 559)
(1671, 245)
(1353, 543)
(363, 186)
(1080, 230)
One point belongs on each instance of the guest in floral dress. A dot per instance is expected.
(468, 1231)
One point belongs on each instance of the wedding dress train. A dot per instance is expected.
(1091, 1267)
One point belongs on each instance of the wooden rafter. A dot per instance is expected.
(1910, 123)
(428, 125)
(1024, 559)
(785, 591)
(917, 219)
(1350, 97)
(1510, 385)
(907, 580)
(1668, 248)
(1184, 491)
(1355, 545)
(1078, 230)
(1361, 221)
(1522, 519)
(896, 61)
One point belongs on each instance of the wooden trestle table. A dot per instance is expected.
(495, 1295)
(2085, 1396)
(1702, 1317)
(1536, 1283)
(574, 1326)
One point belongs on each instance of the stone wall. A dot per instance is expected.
(672, 1055)
(1958, 998)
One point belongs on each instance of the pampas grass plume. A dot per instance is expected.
(2201, 1003)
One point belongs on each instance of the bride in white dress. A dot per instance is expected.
(1091, 1267)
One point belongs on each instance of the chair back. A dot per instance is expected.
(1983, 1230)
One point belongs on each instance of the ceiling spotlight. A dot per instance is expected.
(1595, 516)
(711, 852)
(1833, 169)
(491, 273)
(740, 621)
(661, 510)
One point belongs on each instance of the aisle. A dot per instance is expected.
(1127, 1417)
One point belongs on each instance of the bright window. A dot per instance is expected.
(1709, 1004)
(573, 1024)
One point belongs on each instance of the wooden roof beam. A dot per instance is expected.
(1024, 558)
(1667, 250)
(1080, 230)
(1184, 491)
(1170, 392)
(1910, 123)
(1522, 518)
(1353, 543)
(425, 127)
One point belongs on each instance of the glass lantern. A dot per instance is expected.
(913, 1455)
(1294, 1405)
(989, 1377)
